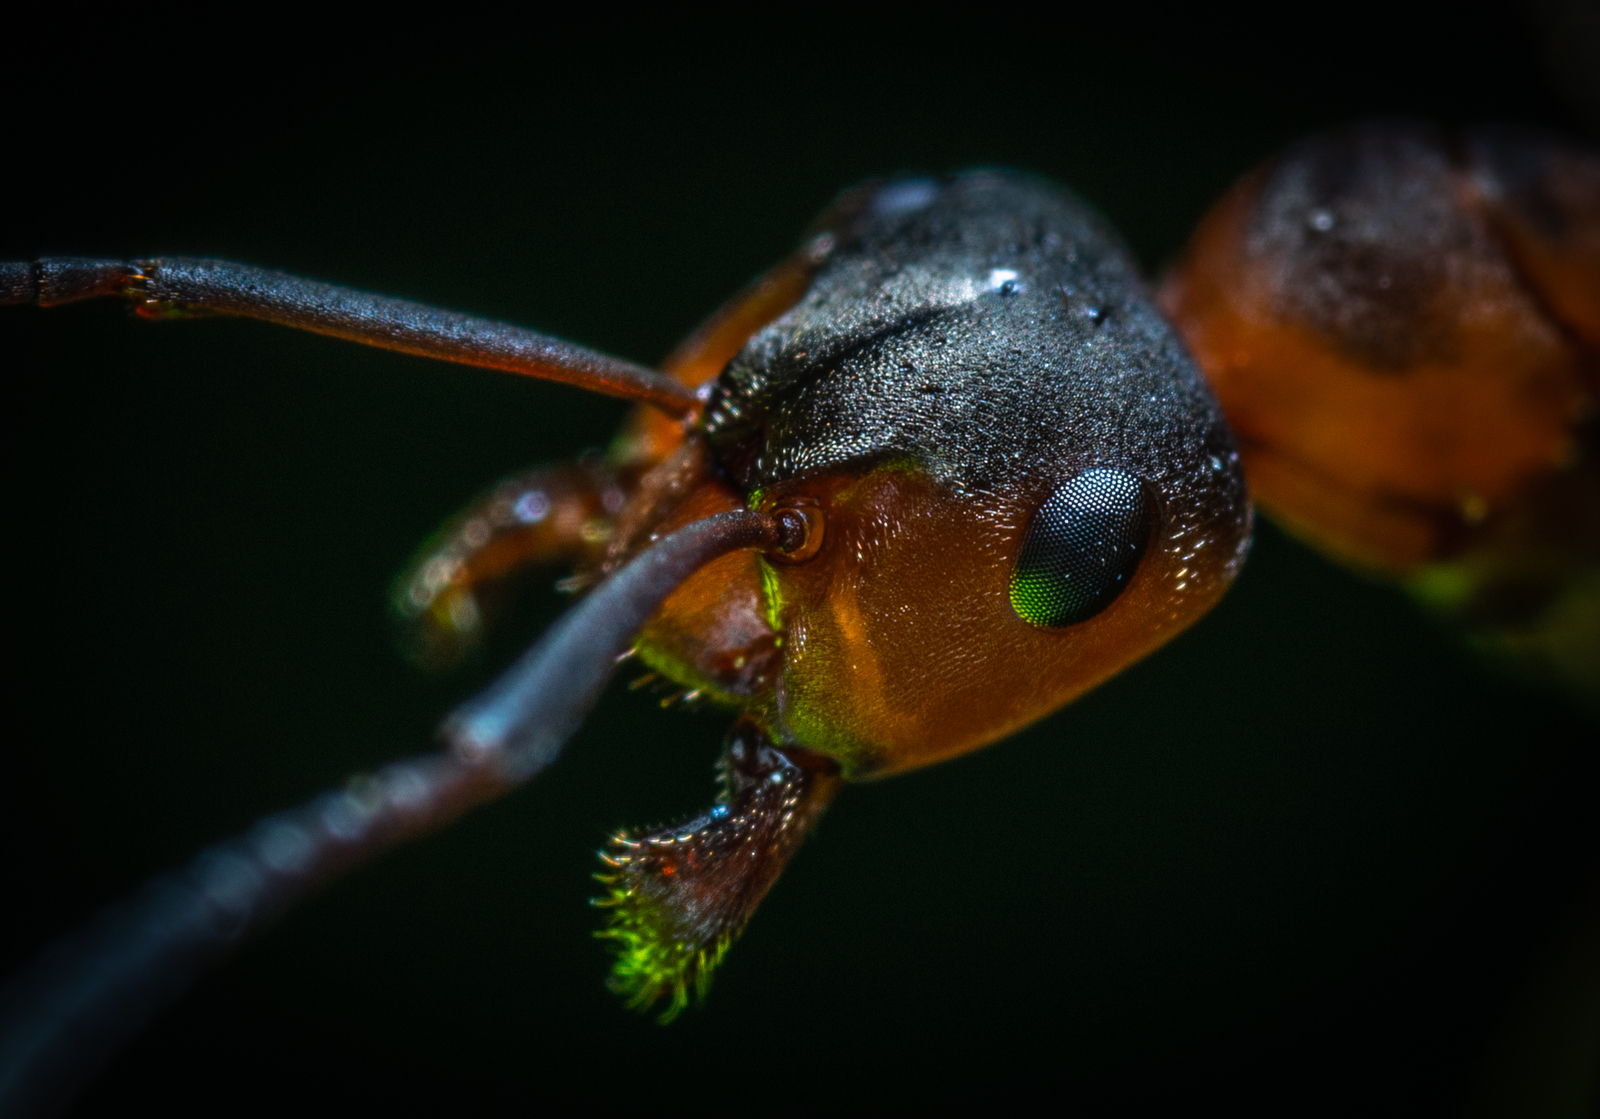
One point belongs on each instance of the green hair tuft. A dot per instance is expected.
(655, 957)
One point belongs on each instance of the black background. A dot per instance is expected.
(1309, 857)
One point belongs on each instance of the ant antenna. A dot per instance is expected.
(94, 989)
(175, 287)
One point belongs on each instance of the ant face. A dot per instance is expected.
(1010, 480)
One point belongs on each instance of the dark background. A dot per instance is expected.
(1312, 856)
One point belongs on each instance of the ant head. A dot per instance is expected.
(1002, 477)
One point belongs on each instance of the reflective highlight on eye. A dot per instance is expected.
(1084, 545)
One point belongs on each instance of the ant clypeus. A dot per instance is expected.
(937, 474)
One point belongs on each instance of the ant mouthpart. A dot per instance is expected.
(799, 532)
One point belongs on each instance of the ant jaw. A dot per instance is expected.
(680, 896)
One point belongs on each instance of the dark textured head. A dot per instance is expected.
(1017, 481)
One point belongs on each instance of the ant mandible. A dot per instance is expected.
(931, 478)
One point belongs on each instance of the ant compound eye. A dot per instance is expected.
(1084, 545)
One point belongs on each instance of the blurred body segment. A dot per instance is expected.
(1402, 327)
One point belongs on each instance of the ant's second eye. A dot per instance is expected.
(1083, 546)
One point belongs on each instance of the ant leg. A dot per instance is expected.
(564, 514)
(552, 515)
(65, 1016)
(177, 286)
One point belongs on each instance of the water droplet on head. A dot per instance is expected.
(1004, 281)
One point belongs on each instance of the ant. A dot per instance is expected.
(936, 475)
